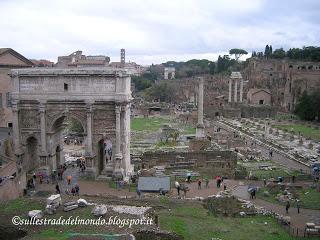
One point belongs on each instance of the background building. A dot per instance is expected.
(9, 59)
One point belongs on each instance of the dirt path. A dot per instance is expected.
(297, 220)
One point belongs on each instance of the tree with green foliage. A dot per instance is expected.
(175, 135)
(212, 67)
(162, 91)
(279, 53)
(237, 53)
(308, 107)
(266, 51)
(141, 83)
(75, 126)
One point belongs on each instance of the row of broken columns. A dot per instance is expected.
(235, 80)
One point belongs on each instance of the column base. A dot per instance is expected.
(118, 170)
(200, 132)
(107, 171)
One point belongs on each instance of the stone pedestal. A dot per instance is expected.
(118, 171)
(200, 133)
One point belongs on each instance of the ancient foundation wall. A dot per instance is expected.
(221, 163)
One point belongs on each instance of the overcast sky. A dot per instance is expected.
(155, 31)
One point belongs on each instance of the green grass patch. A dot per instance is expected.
(164, 200)
(189, 130)
(21, 204)
(266, 174)
(148, 124)
(310, 198)
(302, 129)
(193, 222)
(50, 234)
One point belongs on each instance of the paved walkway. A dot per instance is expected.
(205, 192)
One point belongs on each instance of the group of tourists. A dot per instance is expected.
(184, 188)
(82, 166)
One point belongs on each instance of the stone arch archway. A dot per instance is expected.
(97, 98)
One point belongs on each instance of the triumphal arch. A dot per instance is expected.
(98, 98)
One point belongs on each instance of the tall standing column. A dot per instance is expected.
(89, 130)
(241, 90)
(235, 90)
(16, 128)
(230, 91)
(43, 154)
(118, 130)
(200, 126)
(117, 171)
(200, 104)
(42, 111)
(126, 139)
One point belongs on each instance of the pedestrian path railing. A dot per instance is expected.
(300, 232)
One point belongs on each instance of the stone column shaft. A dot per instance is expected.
(200, 102)
(126, 139)
(241, 90)
(230, 91)
(235, 90)
(16, 134)
(43, 129)
(200, 125)
(89, 130)
(118, 130)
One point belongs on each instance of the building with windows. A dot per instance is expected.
(9, 59)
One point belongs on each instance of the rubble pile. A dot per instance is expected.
(132, 210)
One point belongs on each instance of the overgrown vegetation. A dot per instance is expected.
(310, 53)
(304, 130)
(308, 107)
(193, 222)
(20, 205)
(310, 197)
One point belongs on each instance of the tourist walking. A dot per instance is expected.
(253, 193)
(207, 182)
(77, 188)
(298, 205)
(73, 191)
(199, 184)
(69, 178)
(57, 189)
(218, 179)
(177, 186)
(34, 177)
(188, 177)
(287, 207)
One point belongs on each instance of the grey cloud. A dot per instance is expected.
(163, 28)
